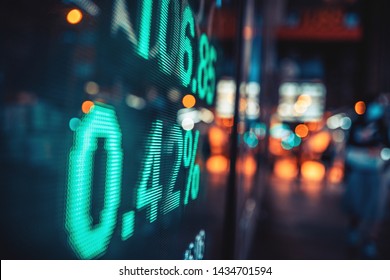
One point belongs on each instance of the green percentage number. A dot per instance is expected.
(150, 190)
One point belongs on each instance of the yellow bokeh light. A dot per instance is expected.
(74, 16)
(189, 101)
(360, 107)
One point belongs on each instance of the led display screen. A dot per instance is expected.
(107, 155)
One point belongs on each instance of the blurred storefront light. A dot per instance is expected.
(226, 91)
(301, 101)
(252, 91)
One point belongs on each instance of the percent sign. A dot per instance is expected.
(190, 149)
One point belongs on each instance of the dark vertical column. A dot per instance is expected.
(376, 49)
(230, 211)
(272, 15)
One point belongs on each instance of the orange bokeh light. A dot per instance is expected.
(313, 171)
(218, 139)
(302, 130)
(228, 122)
(360, 107)
(286, 168)
(313, 126)
(319, 142)
(275, 147)
(189, 101)
(87, 106)
(74, 16)
(248, 32)
(217, 164)
(336, 174)
(247, 166)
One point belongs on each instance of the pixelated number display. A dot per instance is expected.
(198, 78)
(91, 241)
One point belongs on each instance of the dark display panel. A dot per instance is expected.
(106, 156)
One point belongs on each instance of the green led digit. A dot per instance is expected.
(186, 47)
(172, 200)
(202, 68)
(149, 197)
(168, 59)
(211, 76)
(195, 182)
(146, 22)
(128, 225)
(121, 20)
(88, 240)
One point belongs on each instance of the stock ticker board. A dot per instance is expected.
(107, 162)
